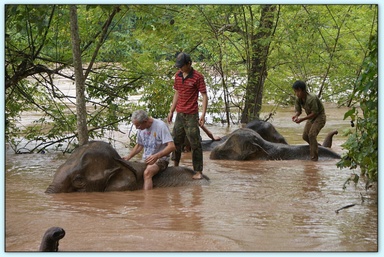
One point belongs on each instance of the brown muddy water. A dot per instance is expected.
(267, 206)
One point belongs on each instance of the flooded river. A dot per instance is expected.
(249, 206)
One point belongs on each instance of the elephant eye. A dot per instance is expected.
(79, 182)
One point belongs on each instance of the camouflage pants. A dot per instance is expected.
(187, 125)
(311, 130)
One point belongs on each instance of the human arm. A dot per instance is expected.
(308, 117)
(209, 133)
(136, 149)
(166, 151)
(173, 107)
(204, 109)
(312, 108)
(297, 111)
(295, 117)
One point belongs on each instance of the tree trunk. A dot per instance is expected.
(257, 71)
(82, 130)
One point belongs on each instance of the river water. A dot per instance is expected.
(257, 206)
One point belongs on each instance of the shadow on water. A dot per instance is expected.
(249, 206)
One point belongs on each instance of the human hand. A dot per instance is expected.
(151, 159)
(201, 121)
(298, 120)
(170, 116)
(216, 138)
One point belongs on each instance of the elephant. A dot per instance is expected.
(97, 167)
(50, 241)
(267, 131)
(247, 144)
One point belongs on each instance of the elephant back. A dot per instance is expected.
(178, 176)
(209, 145)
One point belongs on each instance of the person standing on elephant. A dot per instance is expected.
(315, 116)
(155, 138)
(188, 83)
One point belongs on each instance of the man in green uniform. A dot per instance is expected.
(315, 116)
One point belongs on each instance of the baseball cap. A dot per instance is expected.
(181, 59)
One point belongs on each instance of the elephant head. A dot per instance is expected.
(242, 144)
(95, 166)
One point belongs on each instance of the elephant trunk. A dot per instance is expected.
(50, 241)
(52, 190)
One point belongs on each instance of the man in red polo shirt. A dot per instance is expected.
(188, 83)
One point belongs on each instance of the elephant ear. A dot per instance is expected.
(95, 179)
(129, 166)
(128, 177)
(136, 167)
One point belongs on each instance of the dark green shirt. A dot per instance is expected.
(311, 104)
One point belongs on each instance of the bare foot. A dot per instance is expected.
(198, 175)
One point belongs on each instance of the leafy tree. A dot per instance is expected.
(38, 52)
(241, 49)
(321, 44)
(362, 142)
(79, 79)
(258, 47)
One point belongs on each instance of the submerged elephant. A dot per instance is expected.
(97, 167)
(267, 131)
(246, 144)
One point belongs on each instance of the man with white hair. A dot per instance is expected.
(155, 138)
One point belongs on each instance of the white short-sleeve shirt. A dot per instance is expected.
(155, 138)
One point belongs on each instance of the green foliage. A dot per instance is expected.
(323, 44)
(39, 35)
(362, 143)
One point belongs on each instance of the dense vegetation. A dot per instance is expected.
(249, 54)
(362, 143)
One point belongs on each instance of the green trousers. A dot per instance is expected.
(311, 130)
(187, 125)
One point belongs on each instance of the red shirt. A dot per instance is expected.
(188, 89)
